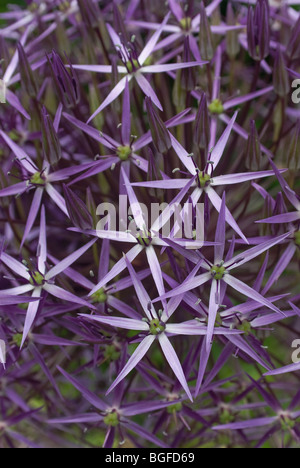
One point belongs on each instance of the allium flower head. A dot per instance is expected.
(149, 225)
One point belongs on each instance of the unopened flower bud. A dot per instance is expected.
(66, 81)
(4, 54)
(279, 208)
(232, 37)
(50, 141)
(28, 80)
(258, 31)
(188, 77)
(89, 11)
(253, 152)
(293, 154)
(205, 36)
(160, 134)
(202, 127)
(78, 212)
(119, 23)
(280, 75)
(293, 47)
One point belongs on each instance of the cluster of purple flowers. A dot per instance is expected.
(135, 336)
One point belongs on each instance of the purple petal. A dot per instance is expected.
(64, 264)
(16, 189)
(281, 266)
(174, 363)
(218, 150)
(284, 370)
(245, 257)
(147, 51)
(176, 9)
(162, 184)
(118, 268)
(171, 67)
(60, 293)
(15, 266)
(243, 346)
(16, 104)
(148, 90)
(220, 234)
(87, 394)
(9, 300)
(183, 155)
(261, 422)
(137, 356)
(239, 178)
(118, 322)
(282, 218)
(91, 131)
(31, 314)
(113, 95)
(78, 419)
(155, 270)
(212, 314)
(217, 203)
(248, 97)
(126, 116)
(187, 286)
(57, 198)
(20, 154)
(249, 292)
(34, 209)
(42, 249)
(141, 292)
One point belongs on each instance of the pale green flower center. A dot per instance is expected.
(226, 416)
(156, 327)
(99, 296)
(204, 179)
(17, 339)
(287, 423)
(111, 353)
(37, 179)
(111, 419)
(186, 23)
(176, 408)
(216, 107)
(218, 272)
(245, 326)
(132, 66)
(124, 152)
(36, 278)
(144, 238)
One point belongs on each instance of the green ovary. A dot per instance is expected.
(132, 66)
(287, 423)
(124, 152)
(186, 23)
(216, 107)
(226, 417)
(111, 353)
(99, 297)
(204, 179)
(37, 179)
(245, 327)
(218, 272)
(37, 279)
(112, 419)
(297, 238)
(17, 339)
(156, 327)
(144, 238)
(176, 408)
